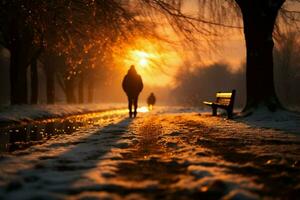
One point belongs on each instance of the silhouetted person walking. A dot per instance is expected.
(151, 101)
(132, 85)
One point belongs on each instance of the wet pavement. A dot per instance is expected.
(155, 156)
(17, 137)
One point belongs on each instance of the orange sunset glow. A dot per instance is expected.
(149, 99)
(141, 58)
(156, 63)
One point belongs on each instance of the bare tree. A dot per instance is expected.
(287, 68)
(18, 29)
(28, 27)
(259, 19)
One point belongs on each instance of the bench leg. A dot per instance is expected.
(229, 114)
(214, 111)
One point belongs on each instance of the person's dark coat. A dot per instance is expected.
(132, 83)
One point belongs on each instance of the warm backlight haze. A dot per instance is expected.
(142, 58)
(159, 62)
(156, 63)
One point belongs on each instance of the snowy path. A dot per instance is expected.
(157, 156)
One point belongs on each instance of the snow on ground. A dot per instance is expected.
(158, 155)
(19, 113)
(280, 120)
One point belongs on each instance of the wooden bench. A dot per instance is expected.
(224, 100)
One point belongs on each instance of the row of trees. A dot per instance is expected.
(69, 39)
(259, 19)
(201, 84)
(75, 29)
(198, 84)
(287, 69)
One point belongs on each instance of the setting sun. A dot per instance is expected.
(141, 57)
(143, 62)
(154, 62)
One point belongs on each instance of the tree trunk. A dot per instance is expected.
(90, 90)
(69, 84)
(259, 19)
(80, 88)
(50, 86)
(23, 52)
(51, 64)
(18, 78)
(34, 82)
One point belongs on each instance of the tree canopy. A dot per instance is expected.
(85, 32)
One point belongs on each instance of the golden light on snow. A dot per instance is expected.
(150, 107)
(143, 109)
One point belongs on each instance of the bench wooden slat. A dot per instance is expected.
(207, 103)
(223, 101)
(224, 95)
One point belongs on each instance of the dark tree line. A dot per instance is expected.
(201, 84)
(31, 28)
(18, 36)
(287, 69)
(68, 38)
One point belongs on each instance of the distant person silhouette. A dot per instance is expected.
(132, 85)
(151, 101)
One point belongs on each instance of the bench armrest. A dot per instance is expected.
(208, 103)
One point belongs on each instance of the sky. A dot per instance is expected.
(159, 61)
